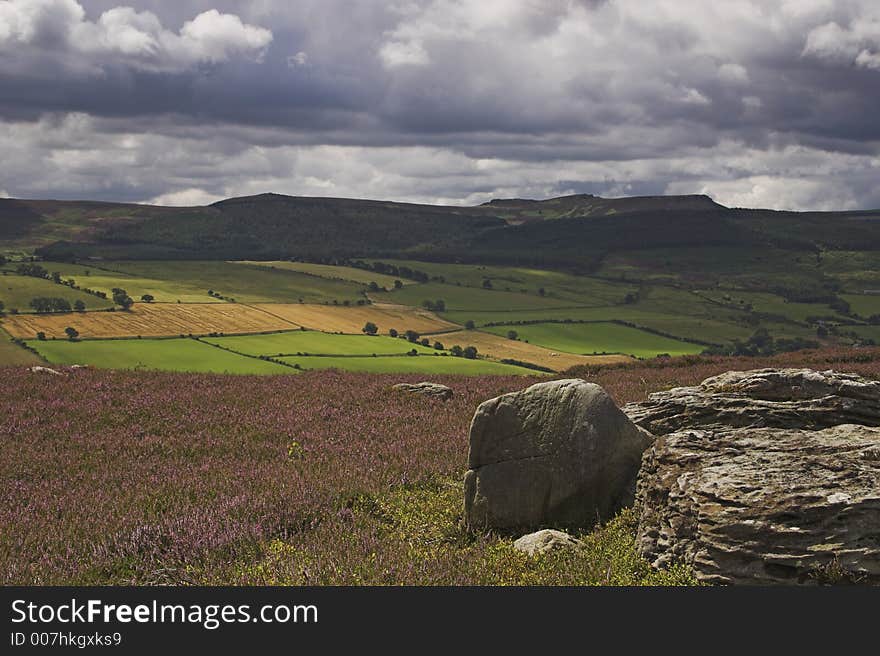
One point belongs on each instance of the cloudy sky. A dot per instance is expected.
(757, 103)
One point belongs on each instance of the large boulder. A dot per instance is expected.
(559, 453)
(428, 389)
(783, 398)
(764, 505)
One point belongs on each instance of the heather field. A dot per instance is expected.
(323, 478)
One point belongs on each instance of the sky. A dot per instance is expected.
(756, 103)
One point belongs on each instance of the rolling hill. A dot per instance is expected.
(573, 232)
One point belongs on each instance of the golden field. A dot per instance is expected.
(340, 319)
(151, 320)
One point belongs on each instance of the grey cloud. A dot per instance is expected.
(507, 98)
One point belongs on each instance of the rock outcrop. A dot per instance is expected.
(765, 476)
(764, 505)
(428, 389)
(45, 370)
(559, 453)
(782, 398)
(545, 541)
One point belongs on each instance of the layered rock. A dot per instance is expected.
(764, 505)
(556, 454)
(764, 476)
(783, 398)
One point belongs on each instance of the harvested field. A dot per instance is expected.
(151, 320)
(499, 348)
(333, 319)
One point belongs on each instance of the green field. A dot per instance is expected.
(331, 272)
(865, 332)
(857, 271)
(864, 305)
(592, 338)
(469, 298)
(706, 266)
(423, 364)
(103, 277)
(766, 303)
(309, 342)
(12, 355)
(17, 291)
(161, 354)
(170, 281)
(678, 325)
(578, 290)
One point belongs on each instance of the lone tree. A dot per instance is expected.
(393, 332)
(121, 297)
(41, 336)
(72, 333)
(469, 324)
(398, 284)
(457, 351)
(148, 298)
(487, 284)
(541, 291)
(512, 334)
(370, 328)
(373, 286)
(79, 306)
(412, 336)
(438, 346)
(470, 352)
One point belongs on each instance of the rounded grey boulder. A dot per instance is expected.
(559, 453)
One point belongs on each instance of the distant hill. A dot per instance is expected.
(572, 231)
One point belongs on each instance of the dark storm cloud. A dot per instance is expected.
(753, 101)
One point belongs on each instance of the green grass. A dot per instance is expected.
(17, 291)
(331, 272)
(576, 290)
(589, 338)
(160, 354)
(864, 305)
(469, 298)
(12, 355)
(684, 326)
(422, 364)
(309, 342)
(103, 277)
(421, 525)
(766, 303)
(865, 332)
(246, 284)
(751, 268)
